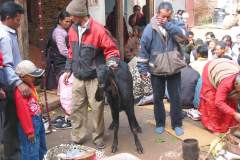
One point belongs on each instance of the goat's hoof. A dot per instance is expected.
(140, 149)
(114, 149)
(111, 127)
(139, 130)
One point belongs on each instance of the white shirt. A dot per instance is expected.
(81, 30)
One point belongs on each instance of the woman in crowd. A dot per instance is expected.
(228, 40)
(220, 87)
(57, 48)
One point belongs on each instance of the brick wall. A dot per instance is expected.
(203, 10)
(51, 9)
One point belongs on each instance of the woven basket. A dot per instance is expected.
(232, 142)
(64, 148)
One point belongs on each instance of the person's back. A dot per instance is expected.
(189, 78)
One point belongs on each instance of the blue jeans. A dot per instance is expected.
(174, 90)
(36, 150)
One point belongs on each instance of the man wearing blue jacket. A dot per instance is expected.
(11, 13)
(163, 34)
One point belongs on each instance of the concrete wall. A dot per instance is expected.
(97, 12)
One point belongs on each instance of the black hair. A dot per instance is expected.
(165, 5)
(136, 8)
(203, 51)
(227, 37)
(222, 44)
(211, 34)
(63, 15)
(190, 33)
(199, 42)
(10, 9)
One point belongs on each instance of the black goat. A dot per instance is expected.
(118, 86)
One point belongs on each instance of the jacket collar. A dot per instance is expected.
(8, 29)
(88, 25)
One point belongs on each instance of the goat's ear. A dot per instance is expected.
(99, 95)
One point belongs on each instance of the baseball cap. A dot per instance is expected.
(27, 67)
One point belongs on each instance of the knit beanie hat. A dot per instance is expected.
(78, 8)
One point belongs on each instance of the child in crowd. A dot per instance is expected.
(31, 128)
(220, 51)
(65, 93)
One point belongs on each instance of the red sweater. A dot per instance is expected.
(26, 109)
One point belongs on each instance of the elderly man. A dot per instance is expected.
(90, 43)
(160, 37)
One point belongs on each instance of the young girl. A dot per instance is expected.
(31, 128)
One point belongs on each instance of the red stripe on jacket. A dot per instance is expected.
(96, 36)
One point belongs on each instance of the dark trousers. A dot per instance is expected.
(173, 87)
(10, 132)
(2, 105)
(36, 150)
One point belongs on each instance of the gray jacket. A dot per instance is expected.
(11, 55)
(153, 41)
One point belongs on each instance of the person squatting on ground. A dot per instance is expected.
(10, 16)
(89, 44)
(159, 37)
(220, 89)
(31, 129)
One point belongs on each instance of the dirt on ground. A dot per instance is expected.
(156, 147)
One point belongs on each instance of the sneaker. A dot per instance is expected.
(159, 130)
(100, 145)
(58, 119)
(178, 131)
(194, 114)
(63, 125)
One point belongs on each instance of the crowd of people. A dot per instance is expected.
(164, 58)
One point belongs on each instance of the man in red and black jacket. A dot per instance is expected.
(90, 45)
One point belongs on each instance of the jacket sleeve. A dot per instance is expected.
(23, 113)
(177, 30)
(108, 46)
(223, 89)
(144, 53)
(61, 42)
(6, 49)
(68, 65)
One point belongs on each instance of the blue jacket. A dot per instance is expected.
(11, 55)
(152, 41)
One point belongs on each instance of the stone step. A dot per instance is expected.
(53, 100)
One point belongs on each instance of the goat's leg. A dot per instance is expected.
(115, 116)
(134, 131)
(111, 126)
(139, 129)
